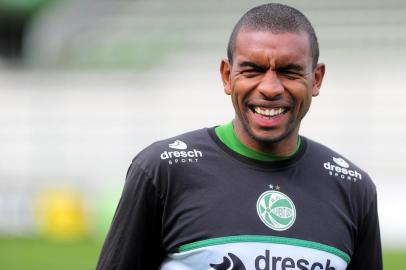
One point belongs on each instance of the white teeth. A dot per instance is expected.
(269, 112)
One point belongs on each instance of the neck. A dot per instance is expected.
(228, 136)
(282, 148)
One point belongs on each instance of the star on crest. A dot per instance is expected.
(277, 187)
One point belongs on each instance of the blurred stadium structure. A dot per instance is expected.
(85, 85)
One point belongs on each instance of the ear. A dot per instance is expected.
(225, 70)
(318, 76)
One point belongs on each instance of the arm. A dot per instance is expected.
(368, 252)
(134, 238)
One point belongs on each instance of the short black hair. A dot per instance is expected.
(275, 18)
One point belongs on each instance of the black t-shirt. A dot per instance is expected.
(190, 202)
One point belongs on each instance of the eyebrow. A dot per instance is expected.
(294, 67)
(251, 64)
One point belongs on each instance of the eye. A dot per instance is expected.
(252, 72)
(290, 74)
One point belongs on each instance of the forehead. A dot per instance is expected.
(268, 46)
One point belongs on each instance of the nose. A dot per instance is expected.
(270, 85)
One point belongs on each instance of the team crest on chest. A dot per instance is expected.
(276, 210)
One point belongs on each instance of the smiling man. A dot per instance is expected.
(251, 194)
(271, 79)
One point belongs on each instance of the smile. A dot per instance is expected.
(269, 112)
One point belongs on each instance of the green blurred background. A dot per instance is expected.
(86, 84)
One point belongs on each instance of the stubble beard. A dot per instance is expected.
(269, 140)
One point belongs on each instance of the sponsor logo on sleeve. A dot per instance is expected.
(181, 153)
(341, 169)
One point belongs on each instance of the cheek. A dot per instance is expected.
(239, 97)
(306, 101)
(238, 93)
(237, 102)
(234, 95)
(243, 87)
(302, 95)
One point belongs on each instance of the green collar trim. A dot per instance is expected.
(227, 135)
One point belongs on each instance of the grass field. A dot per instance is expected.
(43, 254)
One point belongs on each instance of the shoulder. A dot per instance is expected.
(156, 154)
(348, 181)
(337, 165)
(153, 164)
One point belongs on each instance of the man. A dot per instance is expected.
(251, 194)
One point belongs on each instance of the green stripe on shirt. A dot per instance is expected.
(264, 239)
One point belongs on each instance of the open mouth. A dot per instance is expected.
(268, 112)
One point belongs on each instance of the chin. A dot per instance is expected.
(268, 139)
(269, 136)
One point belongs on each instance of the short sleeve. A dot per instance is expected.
(134, 238)
(368, 252)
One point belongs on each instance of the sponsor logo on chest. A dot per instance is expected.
(269, 262)
(340, 168)
(180, 153)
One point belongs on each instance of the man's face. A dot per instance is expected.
(271, 82)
